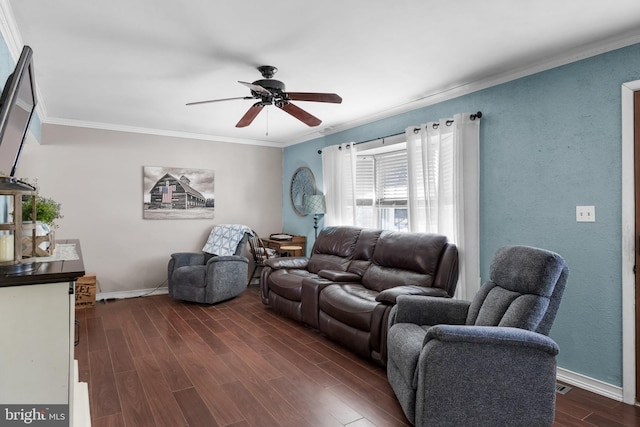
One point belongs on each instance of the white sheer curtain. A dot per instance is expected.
(444, 176)
(338, 174)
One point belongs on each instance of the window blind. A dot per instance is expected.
(391, 176)
(365, 181)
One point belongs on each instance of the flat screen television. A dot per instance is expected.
(17, 105)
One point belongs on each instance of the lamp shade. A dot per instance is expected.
(314, 204)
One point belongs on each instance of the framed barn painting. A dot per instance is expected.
(177, 193)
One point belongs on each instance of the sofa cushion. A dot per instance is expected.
(349, 303)
(333, 249)
(503, 307)
(403, 259)
(288, 283)
(363, 252)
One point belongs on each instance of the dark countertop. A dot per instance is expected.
(48, 272)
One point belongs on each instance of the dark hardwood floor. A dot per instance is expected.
(154, 361)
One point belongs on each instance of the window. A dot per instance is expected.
(424, 180)
(382, 189)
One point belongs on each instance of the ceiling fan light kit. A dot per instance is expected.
(273, 92)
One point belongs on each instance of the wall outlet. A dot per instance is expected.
(586, 213)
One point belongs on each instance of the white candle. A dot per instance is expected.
(6, 247)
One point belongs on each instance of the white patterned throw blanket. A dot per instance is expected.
(224, 239)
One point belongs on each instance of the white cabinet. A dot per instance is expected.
(37, 332)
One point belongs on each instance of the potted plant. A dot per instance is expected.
(47, 210)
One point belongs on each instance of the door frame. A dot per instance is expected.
(628, 246)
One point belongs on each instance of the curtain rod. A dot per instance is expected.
(477, 115)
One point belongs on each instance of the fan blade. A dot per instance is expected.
(300, 114)
(250, 115)
(256, 88)
(316, 97)
(219, 100)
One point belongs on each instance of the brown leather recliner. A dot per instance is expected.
(349, 284)
(281, 279)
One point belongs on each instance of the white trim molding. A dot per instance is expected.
(445, 94)
(628, 246)
(11, 34)
(158, 132)
(589, 384)
(9, 30)
(105, 296)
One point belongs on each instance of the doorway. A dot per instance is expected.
(630, 243)
(636, 180)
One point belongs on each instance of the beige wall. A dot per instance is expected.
(97, 177)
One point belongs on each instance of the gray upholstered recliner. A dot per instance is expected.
(488, 362)
(216, 274)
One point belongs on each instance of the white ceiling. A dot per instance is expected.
(134, 64)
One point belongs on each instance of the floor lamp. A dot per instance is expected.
(314, 204)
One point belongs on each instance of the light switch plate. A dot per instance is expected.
(586, 213)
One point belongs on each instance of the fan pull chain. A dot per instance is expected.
(267, 132)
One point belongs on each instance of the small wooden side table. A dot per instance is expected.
(291, 250)
(299, 241)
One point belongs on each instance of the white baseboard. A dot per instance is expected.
(81, 416)
(131, 294)
(590, 384)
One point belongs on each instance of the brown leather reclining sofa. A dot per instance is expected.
(348, 285)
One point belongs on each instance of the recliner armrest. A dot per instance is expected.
(299, 263)
(390, 295)
(340, 276)
(426, 310)
(180, 259)
(492, 335)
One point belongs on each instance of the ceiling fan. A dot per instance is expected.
(272, 92)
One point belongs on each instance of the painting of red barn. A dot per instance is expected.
(177, 193)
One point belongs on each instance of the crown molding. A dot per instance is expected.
(9, 30)
(13, 39)
(568, 57)
(158, 132)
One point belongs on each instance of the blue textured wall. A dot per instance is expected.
(549, 142)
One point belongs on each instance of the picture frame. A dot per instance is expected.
(178, 193)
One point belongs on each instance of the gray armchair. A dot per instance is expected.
(211, 277)
(486, 362)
